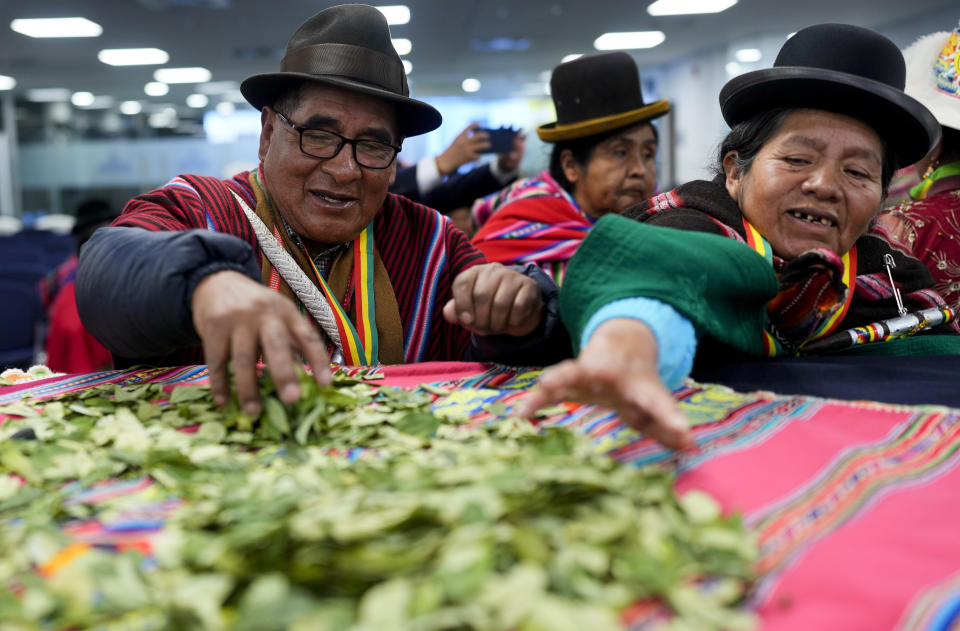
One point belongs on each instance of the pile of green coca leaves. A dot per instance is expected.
(428, 525)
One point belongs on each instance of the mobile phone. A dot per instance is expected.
(501, 140)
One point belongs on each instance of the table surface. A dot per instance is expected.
(853, 502)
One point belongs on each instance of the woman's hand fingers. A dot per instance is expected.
(618, 370)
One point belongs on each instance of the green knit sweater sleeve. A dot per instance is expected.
(720, 285)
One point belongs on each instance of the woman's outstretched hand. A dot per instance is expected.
(617, 369)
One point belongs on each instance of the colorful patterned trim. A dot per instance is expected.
(922, 448)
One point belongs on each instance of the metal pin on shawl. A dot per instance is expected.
(889, 263)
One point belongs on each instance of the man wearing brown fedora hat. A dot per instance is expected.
(235, 264)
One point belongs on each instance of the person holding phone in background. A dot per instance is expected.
(435, 181)
(603, 161)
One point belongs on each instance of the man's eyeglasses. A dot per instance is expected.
(320, 143)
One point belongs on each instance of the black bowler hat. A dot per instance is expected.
(840, 68)
(597, 93)
(347, 46)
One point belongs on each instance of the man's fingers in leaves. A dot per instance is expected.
(244, 353)
(215, 349)
(278, 344)
(308, 340)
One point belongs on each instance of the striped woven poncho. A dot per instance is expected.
(421, 251)
(531, 221)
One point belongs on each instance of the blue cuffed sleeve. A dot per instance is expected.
(676, 337)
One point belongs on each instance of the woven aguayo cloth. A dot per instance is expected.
(854, 503)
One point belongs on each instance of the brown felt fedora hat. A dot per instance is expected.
(839, 68)
(594, 94)
(347, 46)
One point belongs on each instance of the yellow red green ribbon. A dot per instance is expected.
(359, 348)
(760, 245)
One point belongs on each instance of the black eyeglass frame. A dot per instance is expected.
(343, 141)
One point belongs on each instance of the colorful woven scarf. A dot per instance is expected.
(811, 302)
(533, 221)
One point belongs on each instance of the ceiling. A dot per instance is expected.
(236, 38)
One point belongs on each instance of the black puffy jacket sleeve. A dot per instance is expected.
(134, 285)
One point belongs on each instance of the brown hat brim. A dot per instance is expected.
(552, 132)
(413, 117)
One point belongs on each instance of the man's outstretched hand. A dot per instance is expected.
(239, 319)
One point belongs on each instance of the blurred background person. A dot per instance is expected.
(603, 161)
(69, 347)
(436, 181)
(928, 224)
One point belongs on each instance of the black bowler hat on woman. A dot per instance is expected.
(347, 46)
(844, 69)
(597, 93)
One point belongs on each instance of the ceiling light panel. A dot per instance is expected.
(156, 88)
(689, 7)
(182, 75)
(218, 87)
(131, 107)
(395, 13)
(7, 83)
(748, 55)
(133, 56)
(56, 27)
(402, 45)
(629, 40)
(197, 100)
(89, 101)
(81, 99)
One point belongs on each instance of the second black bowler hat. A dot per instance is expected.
(839, 68)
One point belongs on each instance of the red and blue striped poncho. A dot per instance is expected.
(531, 221)
(420, 249)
